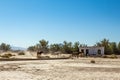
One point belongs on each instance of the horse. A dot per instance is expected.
(39, 54)
(77, 54)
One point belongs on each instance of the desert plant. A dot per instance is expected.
(6, 55)
(113, 56)
(5, 47)
(21, 53)
(47, 57)
(92, 61)
(105, 56)
(43, 57)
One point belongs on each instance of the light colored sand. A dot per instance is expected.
(77, 69)
(33, 55)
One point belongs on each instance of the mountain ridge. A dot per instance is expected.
(18, 48)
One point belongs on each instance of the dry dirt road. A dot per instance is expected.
(70, 69)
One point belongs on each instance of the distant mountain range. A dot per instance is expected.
(18, 48)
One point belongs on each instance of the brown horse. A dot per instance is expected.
(76, 54)
(39, 54)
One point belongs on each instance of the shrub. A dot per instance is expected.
(113, 56)
(92, 61)
(105, 56)
(6, 55)
(21, 53)
(43, 57)
(47, 57)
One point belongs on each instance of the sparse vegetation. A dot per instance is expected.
(110, 47)
(42, 45)
(70, 48)
(21, 53)
(92, 61)
(65, 47)
(7, 55)
(43, 57)
(105, 56)
(113, 56)
(5, 47)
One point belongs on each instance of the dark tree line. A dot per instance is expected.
(5, 47)
(69, 47)
(110, 47)
(41, 46)
(65, 47)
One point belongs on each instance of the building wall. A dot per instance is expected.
(92, 50)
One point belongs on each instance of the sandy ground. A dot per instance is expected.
(70, 69)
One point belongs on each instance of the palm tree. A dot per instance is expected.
(119, 47)
(104, 43)
(43, 45)
(5, 47)
(76, 47)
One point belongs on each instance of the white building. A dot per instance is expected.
(92, 50)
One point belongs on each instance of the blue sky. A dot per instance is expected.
(24, 22)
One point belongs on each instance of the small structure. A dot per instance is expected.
(91, 51)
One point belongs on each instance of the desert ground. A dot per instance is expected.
(63, 69)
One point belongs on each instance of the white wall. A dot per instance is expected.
(92, 50)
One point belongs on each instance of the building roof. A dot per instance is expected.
(92, 47)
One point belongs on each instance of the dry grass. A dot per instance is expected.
(113, 56)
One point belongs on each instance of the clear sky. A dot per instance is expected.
(24, 22)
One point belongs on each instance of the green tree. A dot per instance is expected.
(104, 43)
(119, 47)
(67, 47)
(5, 47)
(76, 47)
(83, 45)
(31, 48)
(43, 45)
(113, 48)
(55, 47)
(37, 47)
